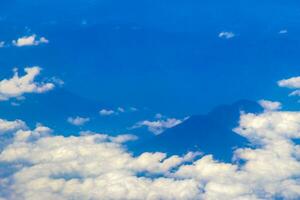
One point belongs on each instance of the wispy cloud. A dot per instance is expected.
(106, 112)
(283, 31)
(226, 35)
(158, 126)
(117, 111)
(2, 44)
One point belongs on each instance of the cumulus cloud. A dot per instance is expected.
(17, 86)
(11, 126)
(226, 35)
(78, 121)
(269, 170)
(270, 105)
(98, 166)
(158, 126)
(31, 40)
(291, 83)
(89, 166)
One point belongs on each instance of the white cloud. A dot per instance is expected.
(98, 166)
(78, 121)
(292, 83)
(11, 126)
(158, 126)
(31, 40)
(119, 110)
(269, 170)
(16, 86)
(123, 138)
(106, 138)
(89, 167)
(226, 35)
(57, 81)
(106, 112)
(270, 105)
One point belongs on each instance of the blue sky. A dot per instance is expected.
(114, 72)
(149, 53)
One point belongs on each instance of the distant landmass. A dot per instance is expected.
(211, 133)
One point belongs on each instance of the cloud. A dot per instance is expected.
(283, 31)
(158, 126)
(269, 170)
(106, 138)
(98, 166)
(17, 86)
(119, 110)
(2, 44)
(78, 121)
(30, 41)
(11, 126)
(106, 112)
(226, 35)
(270, 105)
(43, 165)
(89, 167)
(291, 83)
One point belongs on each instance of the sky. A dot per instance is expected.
(81, 81)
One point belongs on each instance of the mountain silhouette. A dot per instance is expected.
(211, 133)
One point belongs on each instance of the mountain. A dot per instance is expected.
(211, 133)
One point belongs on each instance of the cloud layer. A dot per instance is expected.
(98, 166)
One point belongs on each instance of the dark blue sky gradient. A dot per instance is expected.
(162, 55)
